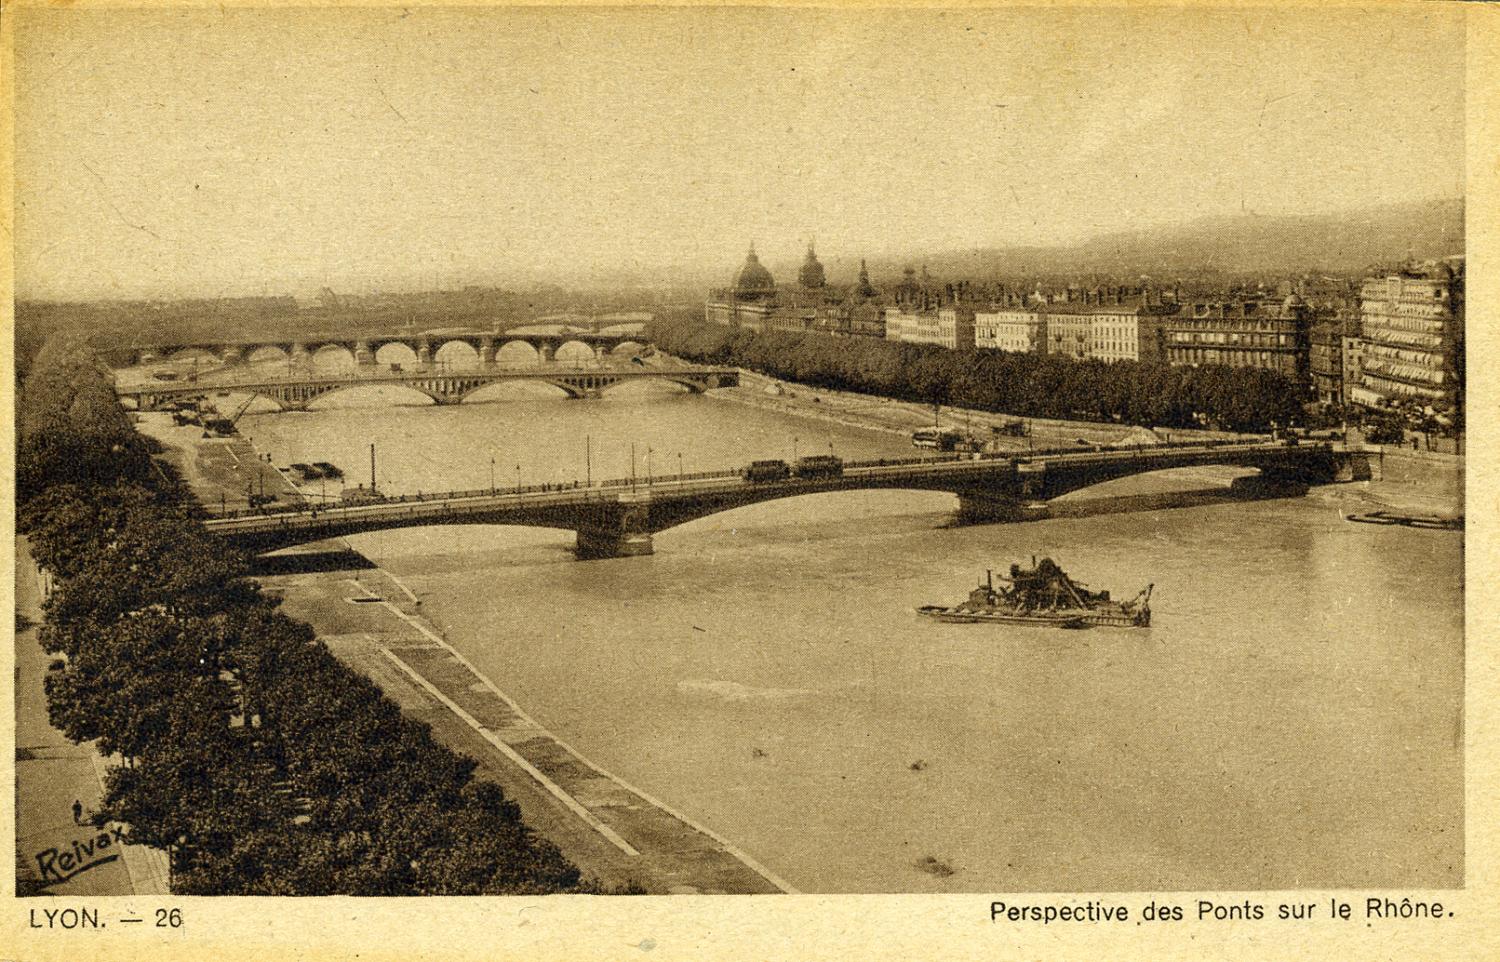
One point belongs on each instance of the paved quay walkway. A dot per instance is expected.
(54, 854)
(614, 832)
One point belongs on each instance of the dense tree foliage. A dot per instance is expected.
(1236, 399)
(259, 761)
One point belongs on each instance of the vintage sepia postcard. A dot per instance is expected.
(987, 481)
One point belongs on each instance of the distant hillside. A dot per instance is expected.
(1236, 246)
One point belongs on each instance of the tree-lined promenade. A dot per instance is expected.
(1131, 392)
(259, 762)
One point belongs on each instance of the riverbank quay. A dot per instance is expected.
(892, 416)
(623, 839)
(1419, 481)
(221, 472)
(55, 854)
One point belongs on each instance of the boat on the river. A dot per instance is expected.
(1044, 595)
(1428, 522)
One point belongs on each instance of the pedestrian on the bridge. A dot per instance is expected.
(77, 812)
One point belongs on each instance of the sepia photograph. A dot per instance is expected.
(737, 451)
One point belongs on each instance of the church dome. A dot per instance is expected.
(811, 274)
(753, 279)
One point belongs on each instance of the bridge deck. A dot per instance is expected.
(414, 373)
(943, 473)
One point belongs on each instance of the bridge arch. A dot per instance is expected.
(267, 354)
(395, 387)
(574, 352)
(517, 353)
(332, 357)
(626, 348)
(1109, 482)
(888, 501)
(183, 354)
(528, 389)
(395, 352)
(456, 355)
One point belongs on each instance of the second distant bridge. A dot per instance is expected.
(296, 393)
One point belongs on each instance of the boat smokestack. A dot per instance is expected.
(989, 578)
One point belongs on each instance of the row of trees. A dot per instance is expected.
(1237, 399)
(260, 762)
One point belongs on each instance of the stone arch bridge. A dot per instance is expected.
(295, 394)
(424, 347)
(617, 518)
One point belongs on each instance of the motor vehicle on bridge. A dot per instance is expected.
(762, 471)
(819, 466)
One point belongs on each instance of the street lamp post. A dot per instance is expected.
(794, 450)
(632, 464)
(492, 475)
(518, 479)
(588, 460)
(679, 467)
(649, 479)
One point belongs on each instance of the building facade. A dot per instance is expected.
(1119, 333)
(1326, 362)
(951, 327)
(1352, 355)
(1019, 329)
(1069, 333)
(1246, 333)
(1412, 338)
(956, 327)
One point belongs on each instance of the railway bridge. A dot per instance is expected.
(618, 518)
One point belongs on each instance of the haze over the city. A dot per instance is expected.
(197, 153)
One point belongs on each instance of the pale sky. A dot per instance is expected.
(165, 153)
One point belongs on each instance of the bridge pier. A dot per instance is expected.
(487, 351)
(363, 356)
(1357, 466)
(984, 507)
(624, 533)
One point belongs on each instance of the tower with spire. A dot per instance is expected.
(864, 289)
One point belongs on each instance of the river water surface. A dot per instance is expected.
(1292, 718)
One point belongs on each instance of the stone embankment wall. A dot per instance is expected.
(1439, 477)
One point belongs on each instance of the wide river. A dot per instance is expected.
(1292, 718)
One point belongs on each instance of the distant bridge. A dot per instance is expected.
(296, 393)
(617, 518)
(422, 348)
